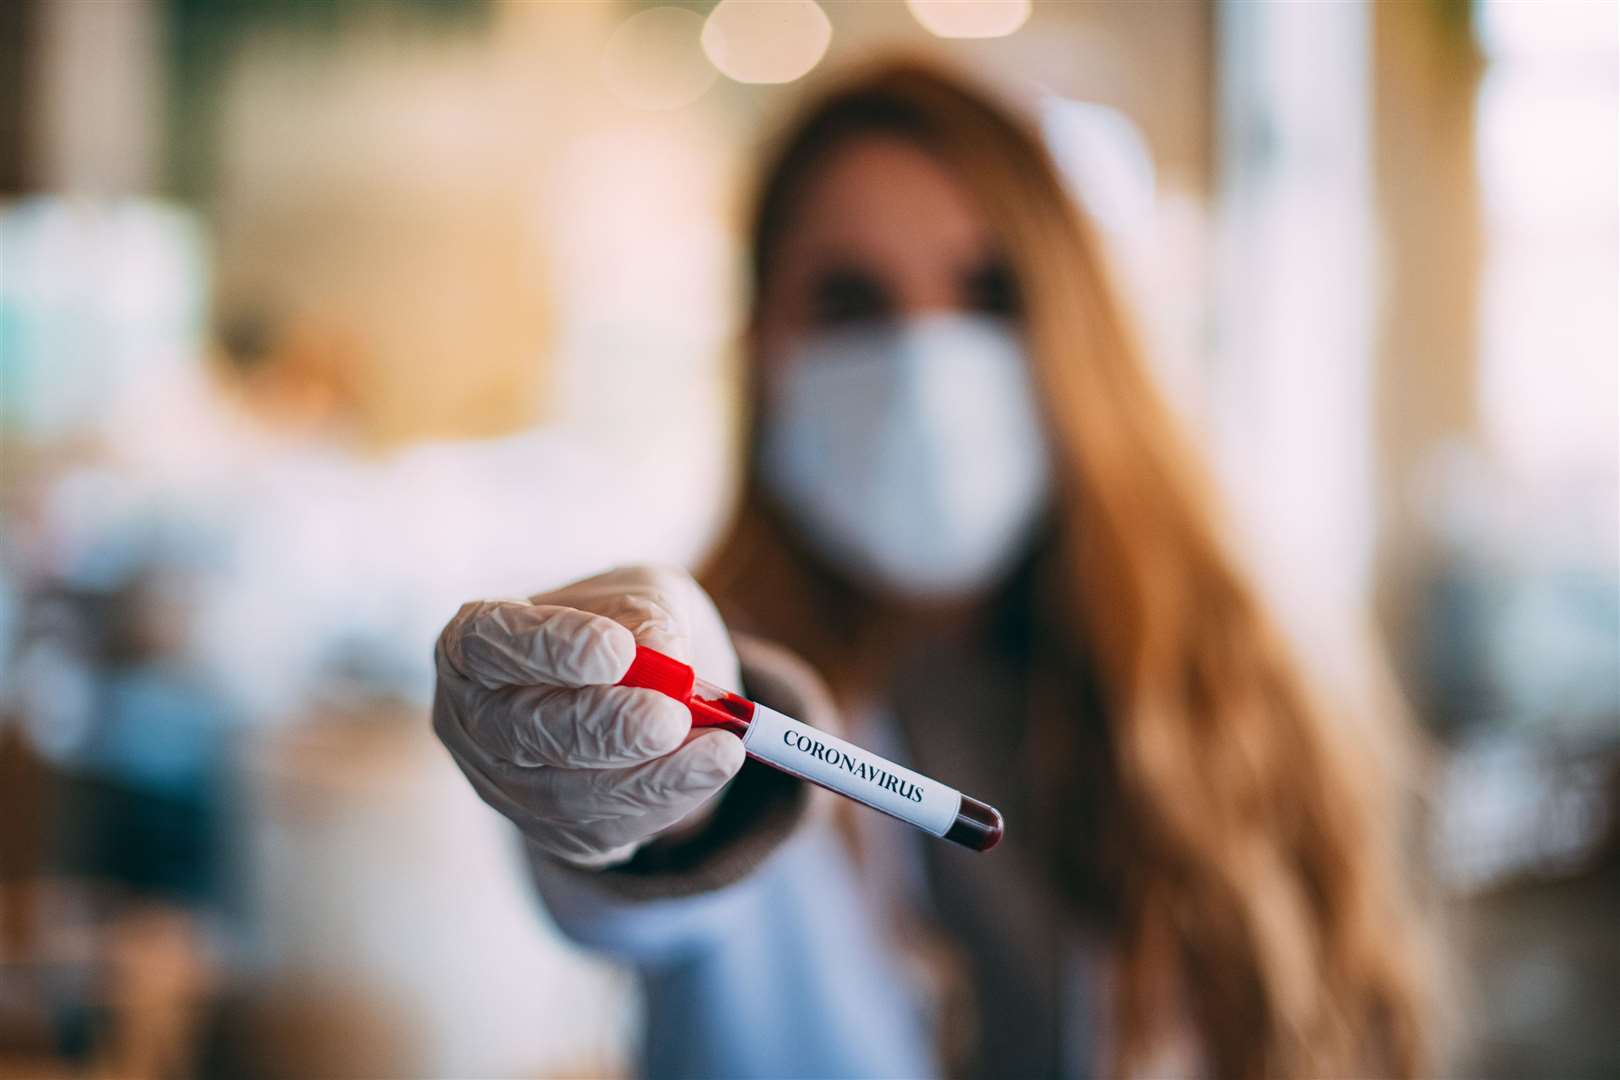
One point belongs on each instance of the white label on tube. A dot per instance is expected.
(824, 759)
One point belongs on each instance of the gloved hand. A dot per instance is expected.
(526, 705)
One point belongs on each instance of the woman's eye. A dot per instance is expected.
(843, 296)
(991, 289)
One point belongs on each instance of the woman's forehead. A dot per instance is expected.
(884, 198)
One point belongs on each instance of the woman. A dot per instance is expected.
(969, 510)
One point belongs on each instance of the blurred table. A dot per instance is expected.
(100, 982)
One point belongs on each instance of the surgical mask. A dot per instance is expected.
(912, 454)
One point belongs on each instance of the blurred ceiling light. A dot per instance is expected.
(970, 18)
(766, 41)
(654, 61)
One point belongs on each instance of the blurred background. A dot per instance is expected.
(318, 318)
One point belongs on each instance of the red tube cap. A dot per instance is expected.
(652, 670)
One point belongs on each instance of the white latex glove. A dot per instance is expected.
(526, 705)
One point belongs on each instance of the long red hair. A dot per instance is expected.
(1250, 866)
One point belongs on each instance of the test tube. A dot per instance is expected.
(800, 750)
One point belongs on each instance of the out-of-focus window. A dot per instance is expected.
(1525, 615)
(1548, 381)
(1549, 162)
(1291, 394)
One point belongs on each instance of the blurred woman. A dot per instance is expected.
(969, 510)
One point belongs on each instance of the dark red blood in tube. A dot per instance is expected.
(714, 707)
(977, 826)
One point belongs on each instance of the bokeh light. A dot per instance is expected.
(766, 41)
(654, 59)
(970, 18)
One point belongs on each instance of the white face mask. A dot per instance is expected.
(912, 454)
